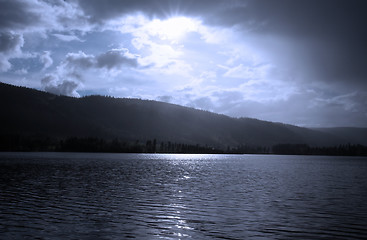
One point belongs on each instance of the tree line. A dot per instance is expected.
(304, 149)
(92, 144)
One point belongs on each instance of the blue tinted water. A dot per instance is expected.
(165, 196)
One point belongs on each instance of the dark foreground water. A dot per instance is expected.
(148, 196)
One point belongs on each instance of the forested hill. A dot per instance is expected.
(28, 112)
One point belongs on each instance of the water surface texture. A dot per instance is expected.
(158, 196)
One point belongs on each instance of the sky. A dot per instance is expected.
(291, 61)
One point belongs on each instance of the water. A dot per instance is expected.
(154, 196)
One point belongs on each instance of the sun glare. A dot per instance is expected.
(173, 28)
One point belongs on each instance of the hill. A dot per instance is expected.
(28, 112)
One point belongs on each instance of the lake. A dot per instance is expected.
(169, 196)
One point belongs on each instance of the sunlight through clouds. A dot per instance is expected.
(172, 29)
(181, 51)
(240, 58)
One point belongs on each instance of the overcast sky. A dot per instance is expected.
(291, 61)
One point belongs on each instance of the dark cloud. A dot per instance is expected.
(101, 11)
(79, 60)
(309, 19)
(17, 15)
(329, 35)
(116, 58)
(112, 59)
(42, 15)
(10, 42)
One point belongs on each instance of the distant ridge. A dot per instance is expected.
(29, 112)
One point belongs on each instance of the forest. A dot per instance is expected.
(33, 120)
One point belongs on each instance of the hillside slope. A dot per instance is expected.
(29, 112)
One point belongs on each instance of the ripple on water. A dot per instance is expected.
(114, 196)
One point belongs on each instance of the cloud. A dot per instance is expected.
(69, 75)
(21, 71)
(32, 15)
(65, 88)
(110, 9)
(204, 103)
(307, 109)
(5, 65)
(67, 37)
(18, 15)
(10, 47)
(52, 83)
(241, 71)
(165, 98)
(323, 40)
(351, 102)
(252, 57)
(328, 46)
(46, 59)
(116, 58)
(112, 59)
(78, 60)
(10, 42)
(101, 12)
(160, 42)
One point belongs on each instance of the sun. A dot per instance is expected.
(174, 28)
